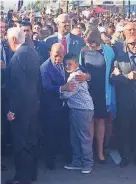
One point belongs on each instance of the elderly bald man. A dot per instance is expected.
(124, 76)
(55, 123)
(23, 82)
(72, 43)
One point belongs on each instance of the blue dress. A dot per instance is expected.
(95, 63)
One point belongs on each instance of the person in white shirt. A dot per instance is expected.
(81, 114)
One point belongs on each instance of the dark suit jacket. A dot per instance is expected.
(42, 50)
(23, 81)
(8, 54)
(51, 82)
(76, 43)
(125, 88)
(52, 79)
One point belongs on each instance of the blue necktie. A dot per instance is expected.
(133, 62)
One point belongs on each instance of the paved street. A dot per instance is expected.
(101, 174)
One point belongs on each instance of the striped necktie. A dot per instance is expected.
(133, 62)
(61, 70)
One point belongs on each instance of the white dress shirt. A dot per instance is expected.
(80, 98)
(67, 40)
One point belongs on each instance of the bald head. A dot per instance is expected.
(64, 24)
(57, 53)
(129, 30)
(57, 47)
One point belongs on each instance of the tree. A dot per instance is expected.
(29, 6)
(2, 5)
(37, 5)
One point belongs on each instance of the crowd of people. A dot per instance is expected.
(68, 81)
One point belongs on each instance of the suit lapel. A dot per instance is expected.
(55, 73)
(74, 43)
(125, 65)
(56, 39)
(71, 43)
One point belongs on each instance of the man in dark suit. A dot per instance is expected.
(55, 124)
(5, 54)
(23, 89)
(3, 62)
(40, 46)
(124, 77)
(53, 82)
(72, 43)
(129, 30)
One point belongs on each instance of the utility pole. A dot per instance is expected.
(92, 4)
(124, 8)
(78, 8)
(129, 9)
(67, 5)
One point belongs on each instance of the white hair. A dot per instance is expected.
(58, 19)
(18, 33)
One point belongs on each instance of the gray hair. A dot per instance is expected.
(58, 19)
(17, 33)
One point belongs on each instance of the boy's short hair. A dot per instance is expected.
(73, 57)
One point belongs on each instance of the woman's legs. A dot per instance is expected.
(100, 133)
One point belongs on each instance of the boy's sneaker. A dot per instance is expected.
(72, 167)
(86, 170)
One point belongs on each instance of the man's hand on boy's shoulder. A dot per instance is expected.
(82, 77)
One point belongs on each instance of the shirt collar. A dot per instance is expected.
(54, 64)
(18, 47)
(76, 69)
(130, 54)
(60, 36)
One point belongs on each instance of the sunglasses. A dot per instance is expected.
(92, 42)
(132, 44)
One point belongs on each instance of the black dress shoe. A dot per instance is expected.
(17, 182)
(51, 165)
(124, 162)
(101, 161)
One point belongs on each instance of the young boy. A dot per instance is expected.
(81, 114)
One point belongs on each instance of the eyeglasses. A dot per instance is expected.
(133, 29)
(132, 44)
(91, 42)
